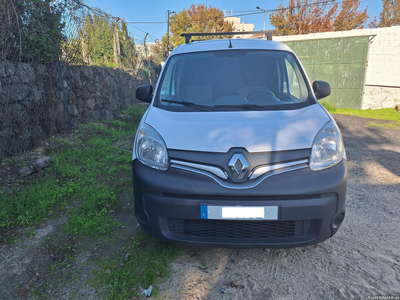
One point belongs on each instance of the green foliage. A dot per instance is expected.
(94, 43)
(145, 72)
(40, 29)
(328, 105)
(128, 54)
(135, 112)
(98, 36)
(33, 30)
(148, 262)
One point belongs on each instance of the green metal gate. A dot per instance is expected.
(339, 61)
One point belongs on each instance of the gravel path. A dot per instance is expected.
(361, 260)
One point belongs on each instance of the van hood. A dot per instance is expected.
(256, 131)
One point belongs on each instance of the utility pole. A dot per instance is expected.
(116, 42)
(264, 14)
(117, 54)
(145, 53)
(168, 13)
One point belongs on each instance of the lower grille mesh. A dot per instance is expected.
(240, 229)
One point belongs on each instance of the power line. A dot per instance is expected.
(332, 2)
(147, 22)
(152, 37)
(250, 12)
(102, 13)
(94, 9)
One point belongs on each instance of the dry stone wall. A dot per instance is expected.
(32, 104)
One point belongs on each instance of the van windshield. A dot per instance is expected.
(233, 80)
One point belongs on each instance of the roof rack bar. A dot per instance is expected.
(188, 36)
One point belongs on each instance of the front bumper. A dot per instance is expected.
(311, 207)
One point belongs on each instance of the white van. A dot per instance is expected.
(235, 150)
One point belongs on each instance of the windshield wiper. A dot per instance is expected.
(249, 106)
(191, 104)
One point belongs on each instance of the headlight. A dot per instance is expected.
(327, 150)
(150, 148)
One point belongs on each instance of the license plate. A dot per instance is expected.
(239, 212)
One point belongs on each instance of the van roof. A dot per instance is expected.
(237, 44)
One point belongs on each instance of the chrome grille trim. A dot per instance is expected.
(237, 186)
(214, 170)
(265, 169)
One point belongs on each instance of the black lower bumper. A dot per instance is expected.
(311, 207)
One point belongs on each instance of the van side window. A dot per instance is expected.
(168, 89)
(293, 82)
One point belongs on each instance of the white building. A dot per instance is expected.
(144, 51)
(240, 26)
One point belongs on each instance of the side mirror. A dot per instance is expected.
(321, 89)
(145, 93)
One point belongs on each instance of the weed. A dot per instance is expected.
(135, 112)
(328, 105)
(33, 204)
(61, 251)
(31, 231)
(119, 123)
(124, 276)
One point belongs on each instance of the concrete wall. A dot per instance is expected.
(382, 79)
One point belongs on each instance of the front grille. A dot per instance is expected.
(240, 229)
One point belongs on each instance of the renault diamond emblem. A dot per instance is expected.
(238, 166)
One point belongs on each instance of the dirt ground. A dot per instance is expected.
(361, 260)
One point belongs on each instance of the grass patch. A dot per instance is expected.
(390, 125)
(83, 177)
(391, 115)
(35, 203)
(83, 181)
(328, 106)
(143, 262)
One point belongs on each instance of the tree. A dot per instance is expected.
(307, 16)
(127, 46)
(39, 33)
(349, 17)
(389, 16)
(198, 18)
(96, 37)
(157, 52)
(303, 16)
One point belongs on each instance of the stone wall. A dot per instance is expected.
(32, 104)
(376, 97)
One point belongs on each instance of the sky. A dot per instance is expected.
(138, 12)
